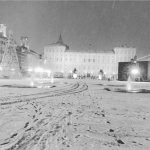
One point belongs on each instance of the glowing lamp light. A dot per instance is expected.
(38, 69)
(75, 76)
(129, 86)
(52, 80)
(100, 77)
(48, 71)
(31, 83)
(1, 68)
(135, 71)
(30, 69)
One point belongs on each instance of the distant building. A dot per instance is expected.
(25, 57)
(59, 58)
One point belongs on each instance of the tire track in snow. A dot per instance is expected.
(35, 133)
(71, 89)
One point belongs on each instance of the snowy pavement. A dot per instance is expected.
(73, 115)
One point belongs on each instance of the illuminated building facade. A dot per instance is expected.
(59, 58)
(15, 59)
(27, 58)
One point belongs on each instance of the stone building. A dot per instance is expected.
(27, 58)
(59, 58)
(15, 59)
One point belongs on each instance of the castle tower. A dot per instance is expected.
(60, 40)
(3, 30)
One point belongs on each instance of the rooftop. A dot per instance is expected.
(60, 43)
(144, 58)
(93, 51)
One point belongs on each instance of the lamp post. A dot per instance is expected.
(134, 69)
(1, 69)
(75, 73)
(135, 72)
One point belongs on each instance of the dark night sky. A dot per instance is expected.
(84, 25)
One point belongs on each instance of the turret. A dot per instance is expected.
(60, 40)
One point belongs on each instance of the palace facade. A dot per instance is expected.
(59, 58)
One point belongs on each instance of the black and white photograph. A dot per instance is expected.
(74, 75)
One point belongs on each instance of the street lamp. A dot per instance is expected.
(30, 69)
(38, 70)
(1, 69)
(100, 77)
(135, 72)
(75, 76)
(12, 69)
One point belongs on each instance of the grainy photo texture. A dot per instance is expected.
(75, 75)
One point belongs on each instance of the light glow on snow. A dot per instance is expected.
(75, 76)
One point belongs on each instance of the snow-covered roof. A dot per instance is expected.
(144, 58)
(60, 43)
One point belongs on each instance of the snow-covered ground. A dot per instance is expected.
(73, 115)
